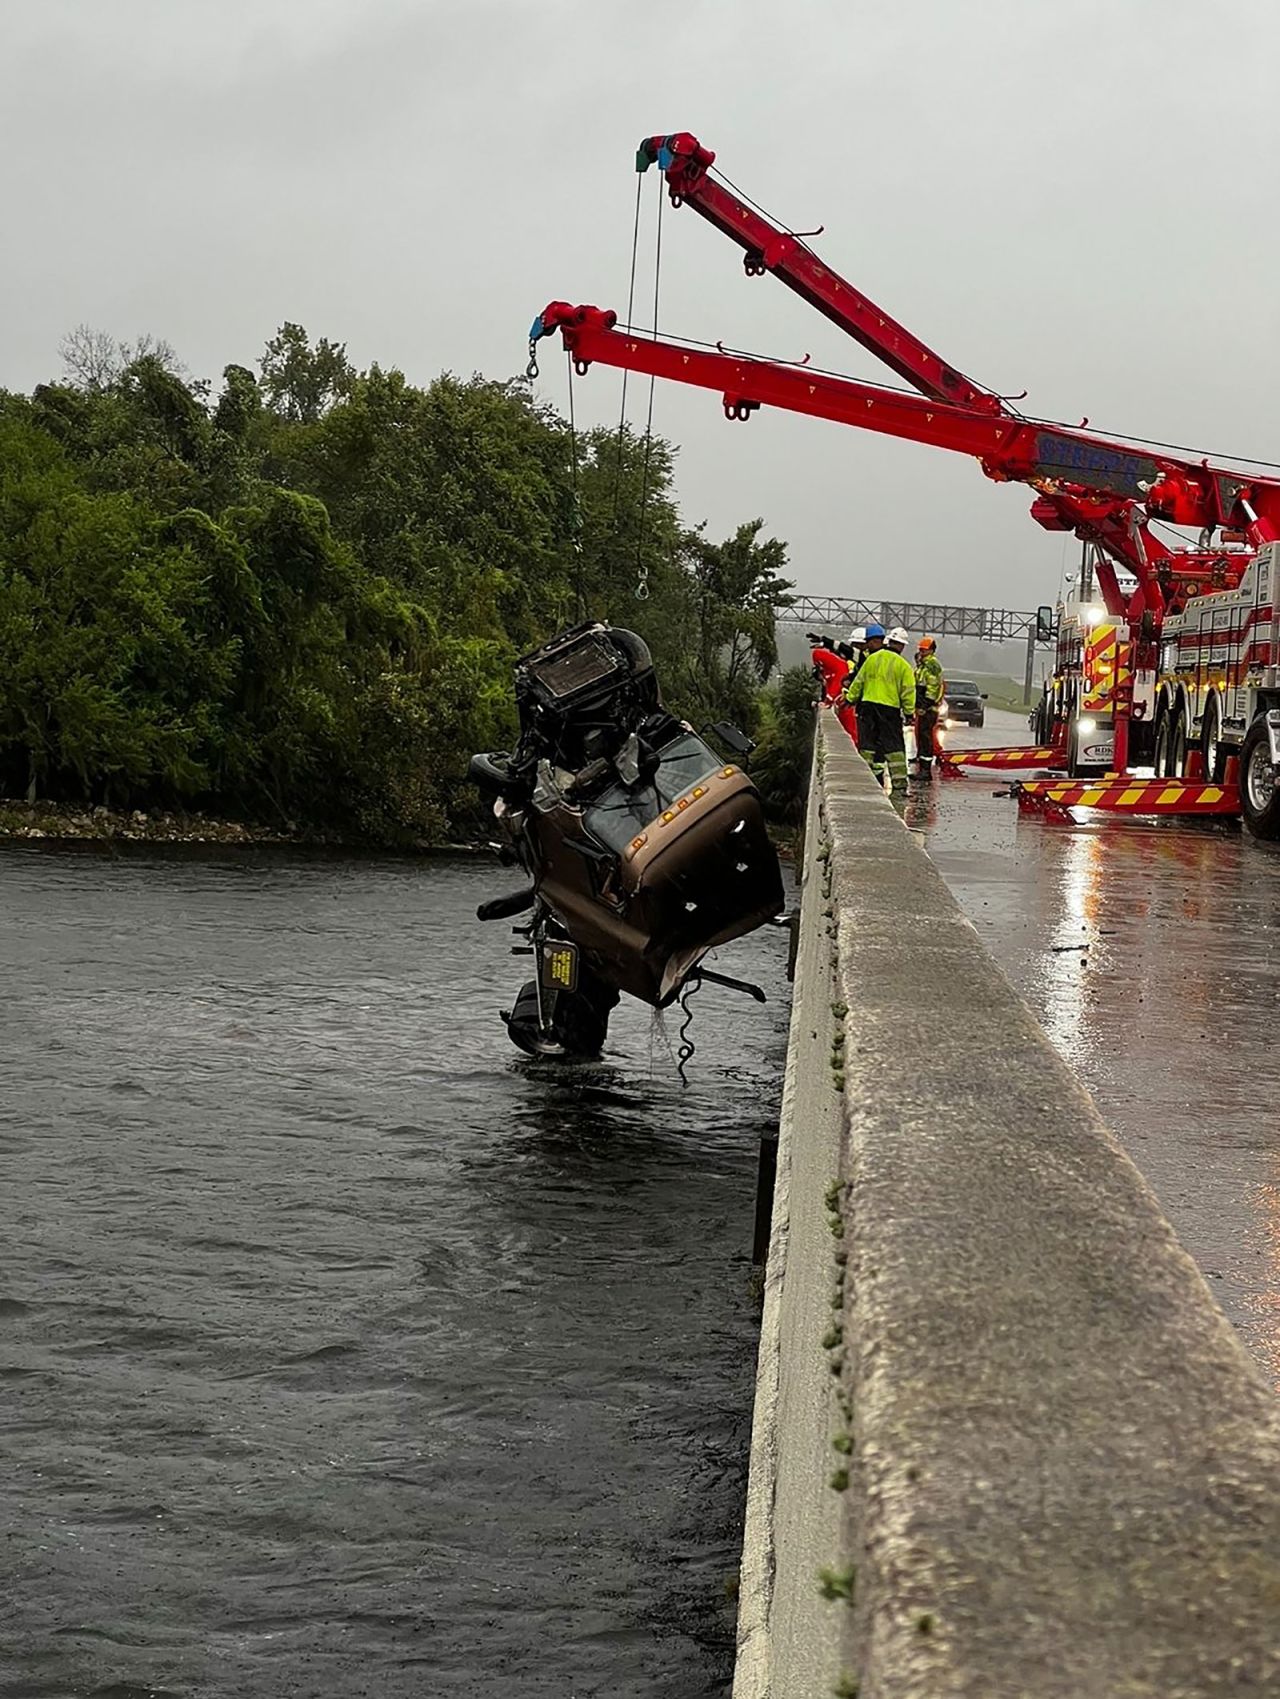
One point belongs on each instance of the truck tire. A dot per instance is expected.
(1259, 791)
(1178, 746)
(1169, 756)
(1215, 756)
(1160, 742)
(577, 1021)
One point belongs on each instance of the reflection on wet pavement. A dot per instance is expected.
(1149, 954)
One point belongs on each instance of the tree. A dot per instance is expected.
(300, 382)
(780, 764)
(91, 358)
(240, 404)
(303, 601)
(738, 591)
(94, 360)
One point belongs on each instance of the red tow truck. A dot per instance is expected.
(1175, 666)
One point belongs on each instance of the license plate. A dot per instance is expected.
(558, 966)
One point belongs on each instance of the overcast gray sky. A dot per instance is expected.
(1076, 198)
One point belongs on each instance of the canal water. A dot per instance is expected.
(342, 1351)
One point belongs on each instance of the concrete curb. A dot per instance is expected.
(1066, 1479)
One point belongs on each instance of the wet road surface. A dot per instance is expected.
(343, 1354)
(1151, 955)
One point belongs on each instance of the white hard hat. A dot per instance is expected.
(897, 635)
(858, 635)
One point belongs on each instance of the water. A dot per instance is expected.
(343, 1352)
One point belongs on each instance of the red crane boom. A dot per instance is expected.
(1116, 524)
(1050, 458)
(686, 164)
(1104, 490)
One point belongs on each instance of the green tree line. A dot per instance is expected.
(299, 599)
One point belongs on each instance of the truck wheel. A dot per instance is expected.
(577, 1021)
(1160, 743)
(1211, 742)
(1259, 791)
(1178, 746)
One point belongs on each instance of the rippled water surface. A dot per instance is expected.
(341, 1352)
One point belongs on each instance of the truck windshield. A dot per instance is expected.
(961, 687)
(617, 815)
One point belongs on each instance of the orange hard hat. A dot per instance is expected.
(928, 642)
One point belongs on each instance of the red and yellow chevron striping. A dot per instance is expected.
(1115, 795)
(1101, 658)
(1016, 755)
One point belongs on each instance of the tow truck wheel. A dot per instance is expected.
(1040, 726)
(1259, 791)
(1211, 742)
(1178, 746)
(1160, 744)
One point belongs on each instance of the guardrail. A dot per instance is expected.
(997, 1408)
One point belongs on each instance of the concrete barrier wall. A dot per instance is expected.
(1063, 1469)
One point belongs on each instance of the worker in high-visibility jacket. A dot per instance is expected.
(931, 687)
(884, 689)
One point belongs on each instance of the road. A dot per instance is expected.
(1149, 954)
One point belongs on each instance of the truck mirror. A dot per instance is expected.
(731, 737)
(1044, 625)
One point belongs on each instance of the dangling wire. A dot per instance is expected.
(642, 569)
(685, 1053)
(575, 515)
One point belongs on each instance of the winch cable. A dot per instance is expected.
(642, 569)
(685, 1053)
(622, 411)
(575, 519)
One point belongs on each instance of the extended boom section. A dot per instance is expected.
(686, 165)
(1009, 449)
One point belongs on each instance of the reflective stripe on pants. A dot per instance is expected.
(882, 744)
